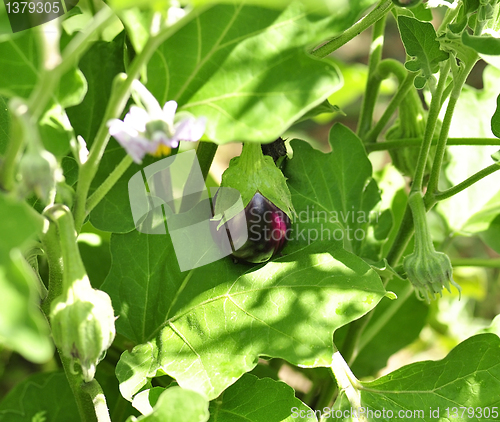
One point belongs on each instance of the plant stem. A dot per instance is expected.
(402, 92)
(52, 249)
(439, 196)
(206, 153)
(15, 146)
(347, 382)
(110, 181)
(458, 82)
(75, 381)
(371, 90)
(373, 16)
(74, 269)
(475, 262)
(94, 390)
(404, 235)
(416, 142)
(430, 127)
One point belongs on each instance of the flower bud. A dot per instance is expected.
(83, 325)
(429, 271)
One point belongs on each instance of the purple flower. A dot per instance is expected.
(154, 131)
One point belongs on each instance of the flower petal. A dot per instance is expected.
(135, 145)
(137, 118)
(190, 129)
(169, 110)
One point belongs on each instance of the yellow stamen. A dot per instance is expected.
(162, 151)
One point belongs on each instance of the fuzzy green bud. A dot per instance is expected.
(83, 325)
(429, 271)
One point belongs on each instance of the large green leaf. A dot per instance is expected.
(18, 64)
(176, 404)
(334, 195)
(41, 397)
(208, 326)
(247, 87)
(252, 399)
(19, 60)
(467, 380)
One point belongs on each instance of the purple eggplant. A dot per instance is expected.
(259, 230)
(263, 225)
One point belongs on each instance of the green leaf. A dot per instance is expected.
(468, 377)
(334, 199)
(56, 131)
(232, 75)
(100, 64)
(484, 44)
(207, 331)
(252, 399)
(22, 326)
(42, 394)
(72, 88)
(19, 60)
(18, 224)
(317, 6)
(176, 404)
(137, 23)
(495, 120)
(492, 234)
(18, 64)
(419, 39)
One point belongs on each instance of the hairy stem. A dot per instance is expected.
(430, 127)
(402, 92)
(53, 253)
(75, 381)
(371, 90)
(459, 81)
(94, 390)
(439, 196)
(416, 142)
(107, 185)
(364, 23)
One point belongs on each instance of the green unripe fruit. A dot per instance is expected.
(83, 325)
